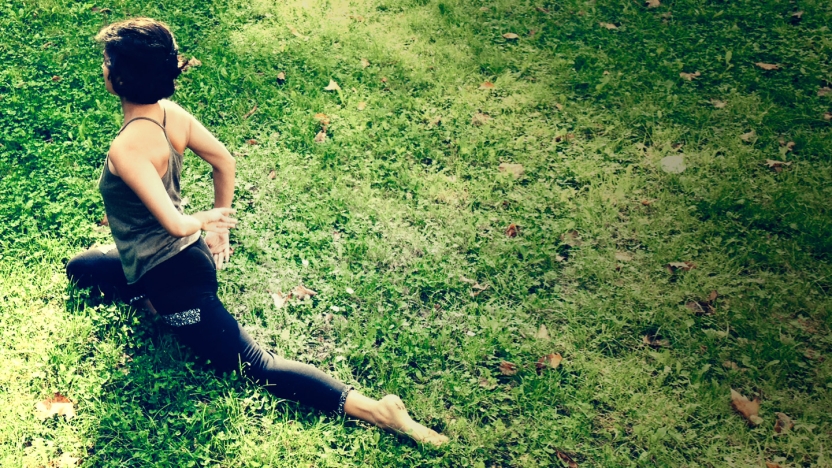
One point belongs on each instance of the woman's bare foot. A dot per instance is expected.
(391, 414)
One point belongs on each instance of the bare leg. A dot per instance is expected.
(389, 413)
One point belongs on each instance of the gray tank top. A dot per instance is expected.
(141, 241)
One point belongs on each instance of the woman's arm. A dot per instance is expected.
(207, 147)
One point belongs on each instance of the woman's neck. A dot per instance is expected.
(132, 110)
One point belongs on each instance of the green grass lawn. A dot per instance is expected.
(398, 214)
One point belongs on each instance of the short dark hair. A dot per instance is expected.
(142, 59)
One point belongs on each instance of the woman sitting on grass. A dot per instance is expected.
(159, 253)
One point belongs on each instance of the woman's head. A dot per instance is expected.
(140, 59)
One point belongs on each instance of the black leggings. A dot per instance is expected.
(183, 289)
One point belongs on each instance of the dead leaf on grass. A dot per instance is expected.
(542, 10)
(731, 365)
(56, 405)
(655, 341)
(487, 85)
(297, 34)
(690, 76)
(608, 25)
(571, 238)
(272, 174)
(186, 64)
(623, 256)
(718, 104)
(302, 293)
(361, 106)
(827, 116)
(486, 384)
(542, 333)
(825, 91)
(322, 119)
(332, 86)
(566, 458)
(511, 36)
(749, 137)
(674, 164)
(65, 461)
(365, 63)
(281, 77)
(480, 119)
(673, 267)
(104, 221)
(784, 423)
(653, 3)
(768, 66)
(280, 299)
(516, 170)
(777, 166)
(251, 142)
(508, 368)
(749, 409)
(550, 361)
(478, 288)
(357, 18)
(320, 137)
(773, 465)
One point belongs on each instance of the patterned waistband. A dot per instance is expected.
(342, 401)
(180, 319)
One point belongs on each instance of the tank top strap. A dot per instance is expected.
(160, 125)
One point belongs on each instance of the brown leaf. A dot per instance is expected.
(777, 166)
(567, 459)
(508, 368)
(571, 238)
(516, 170)
(784, 423)
(186, 64)
(280, 299)
(320, 137)
(365, 63)
(512, 230)
(56, 78)
(65, 461)
(608, 25)
(798, 14)
(623, 256)
(542, 10)
(749, 137)
(730, 365)
(768, 66)
(673, 267)
(252, 142)
(478, 288)
(486, 384)
(653, 3)
(281, 77)
(104, 221)
(302, 293)
(655, 341)
(788, 145)
(825, 91)
(487, 85)
(511, 36)
(700, 307)
(567, 137)
(773, 465)
(272, 174)
(712, 296)
(322, 119)
(747, 408)
(718, 104)
(559, 106)
(332, 86)
(648, 201)
(542, 333)
(384, 79)
(827, 116)
(361, 106)
(57, 405)
(357, 18)
(690, 76)
(251, 112)
(551, 361)
(480, 119)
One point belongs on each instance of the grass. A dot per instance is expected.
(404, 202)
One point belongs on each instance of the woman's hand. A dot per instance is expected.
(216, 220)
(220, 248)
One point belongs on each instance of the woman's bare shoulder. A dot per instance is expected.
(172, 106)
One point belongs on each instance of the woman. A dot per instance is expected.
(159, 252)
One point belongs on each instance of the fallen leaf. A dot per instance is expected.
(281, 77)
(608, 25)
(777, 166)
(730, 365)
(825, 91)
(827, 116)
(542, 10)
(798, 14)
(361, 105)
(480, 119)
(653, 3)
(749, 137)
(542, 333)
(272, 174)
(302, 293)
(252, 142)
(623, 256)
(567, 137)
(511, 36)
(297, 34)
(516, 170)
(322, 119)
(551, 361)
(747, 408)
(673, 267)
(773, 465)
(690, 76)
(567, 459)
(280, 299)
(65, 461)
(251, 112)
(666, 16)
(768, 66)
(712, 296)
(654, 341)
(384, 79)
(486, 384)
(487, 85)
(332, 86)
(357, 18)
(512, 230)
(674, 164)
(478, 288)
(559, 258)
(508, 368)
(104, 221)
(320, 137)
(57, 405)
(559, 106)
(648, 201)
(700, 307)
(571, 238)
(784, 423)
(365, 63)
(186, 64)
(56, 78)
(718, 104)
